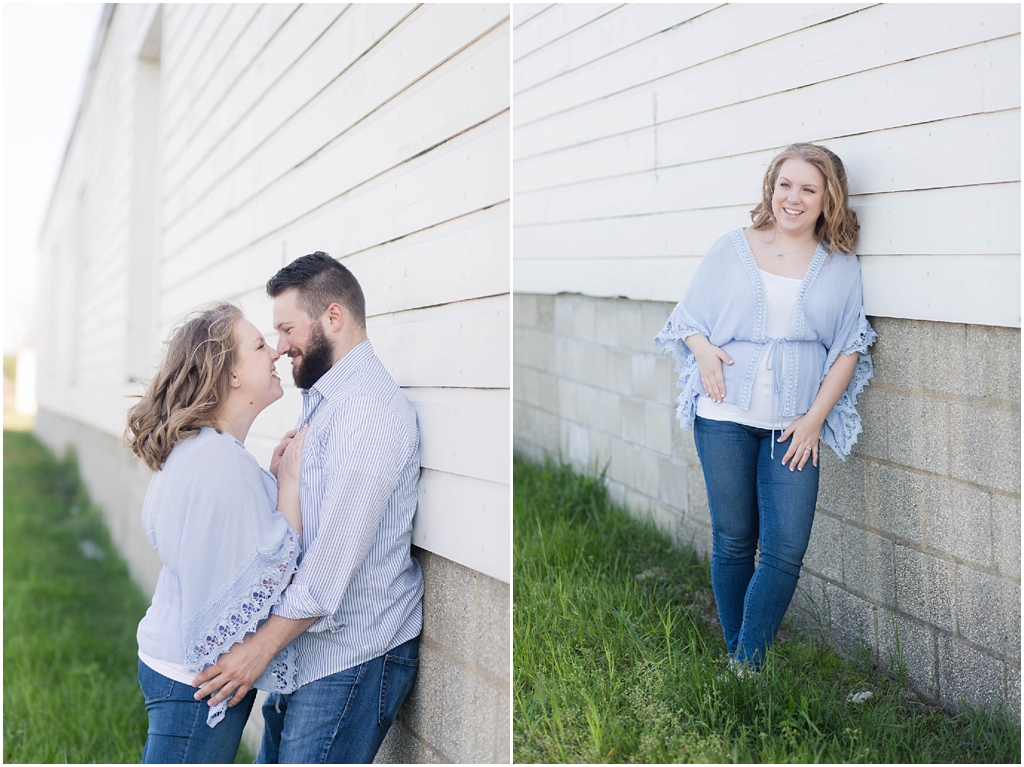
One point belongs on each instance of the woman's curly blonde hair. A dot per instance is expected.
(188, 388)
(837, 225)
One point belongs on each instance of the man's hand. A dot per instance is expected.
(275, 460)
(235, 672)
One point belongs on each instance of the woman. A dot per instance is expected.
(771, 342)
(227, 535)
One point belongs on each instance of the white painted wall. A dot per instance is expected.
(376, 133)
(642, 132)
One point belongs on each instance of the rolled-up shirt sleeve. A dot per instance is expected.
(360, 452)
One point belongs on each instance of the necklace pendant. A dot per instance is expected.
(779, 256)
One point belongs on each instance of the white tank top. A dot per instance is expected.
(780, 300)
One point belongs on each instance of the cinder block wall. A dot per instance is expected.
(917, 532)
(459, 708)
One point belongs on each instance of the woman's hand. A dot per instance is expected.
(275, 460)
(805, 431)
(709, 363)
(289, 471)
(290, 464)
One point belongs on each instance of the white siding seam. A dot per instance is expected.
(462, 133)
(439, 304)
(179, 56)
(572, 31)
(645, 128)
(228, 50)
(696, 64)
(183, 79)
(226, 256)
(753, 153)
(773, 94)
(534, 16)
(975, 185)
(213, 184)
(638, 41)
(426, 387)
(229, 131)
(202, 124)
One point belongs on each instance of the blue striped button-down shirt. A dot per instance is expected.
(360, 467)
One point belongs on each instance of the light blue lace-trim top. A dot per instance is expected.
(227, 554)
(726, 302)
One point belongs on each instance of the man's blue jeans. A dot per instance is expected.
(755, 502)
(341, 718)
(178, 732)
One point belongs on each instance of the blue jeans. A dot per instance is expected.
(178, 733)
(755, 502)
(341, 718)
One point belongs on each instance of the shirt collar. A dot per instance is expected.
(342, 370)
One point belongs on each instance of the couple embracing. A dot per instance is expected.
(297, 580)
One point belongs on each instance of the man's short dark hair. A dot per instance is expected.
(321, 281)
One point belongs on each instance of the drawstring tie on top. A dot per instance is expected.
(774, 364)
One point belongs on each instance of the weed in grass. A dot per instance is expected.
(617, 657)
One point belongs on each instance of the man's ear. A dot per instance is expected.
(335, 316)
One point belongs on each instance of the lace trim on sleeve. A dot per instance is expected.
(670, 341)
(842, 425)
(861, 339)
(239, 608)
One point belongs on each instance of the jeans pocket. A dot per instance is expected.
(154, 686)
(396, 681)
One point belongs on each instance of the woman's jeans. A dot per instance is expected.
(178, 732)
(755, 502)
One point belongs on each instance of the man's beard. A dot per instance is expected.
(317, 358)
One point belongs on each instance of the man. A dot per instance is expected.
(354, 607)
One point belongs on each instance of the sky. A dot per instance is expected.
(46, 50)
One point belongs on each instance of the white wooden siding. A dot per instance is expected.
(641, 134)
(378, 133)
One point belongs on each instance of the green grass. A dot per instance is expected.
(71, 691)
(612, 668)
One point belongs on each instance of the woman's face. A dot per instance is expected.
(799, 197)
(254, 375)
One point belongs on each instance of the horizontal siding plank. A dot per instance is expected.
(464, 431)
(980, 290)
(452, 98)
(230, 35)
(180, 81)
(469, 344)
(918, 156)
(265, 24)
(936, 87)
(523, 12)
(468, 173)
(466, 520)
(184, 149)
(925, 156)
(963, 220)
(627, 25)
(710, 36)
(974, 222)
(974, 289)
(455, 261)
(344, 41)
(884, 35)
(558, 20)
